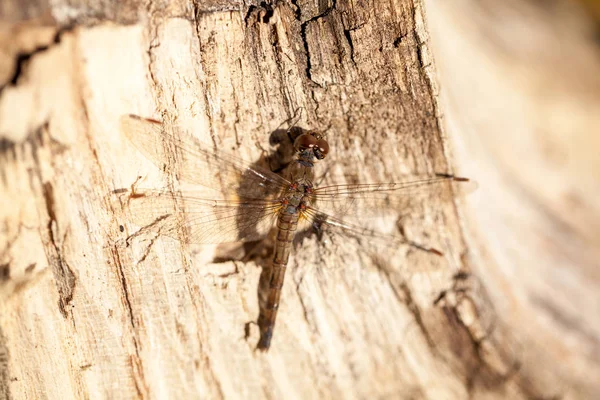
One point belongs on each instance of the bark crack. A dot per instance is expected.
(303, 26)
(147, 228)
(347, 34)
(63, 274)
(414, 310)
(266, 15)
(154, 43)
(349, 40)
(136, 361)
(205, 89)
(496, 368)
(23, 58)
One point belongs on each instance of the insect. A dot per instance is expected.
(249, 200)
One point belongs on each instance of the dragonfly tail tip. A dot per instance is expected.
(265, 340)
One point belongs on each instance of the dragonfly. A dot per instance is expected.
(247, 201)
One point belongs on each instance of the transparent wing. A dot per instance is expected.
(332, 225)
(402, 196)
(192, 219)
(198, 163)
(340, 211)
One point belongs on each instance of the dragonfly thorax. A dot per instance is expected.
(297, 197)
(300, 172)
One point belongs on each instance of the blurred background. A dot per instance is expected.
(520, 97)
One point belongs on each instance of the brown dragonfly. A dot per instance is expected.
(248, 200)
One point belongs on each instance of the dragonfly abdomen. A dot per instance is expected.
(286, 229)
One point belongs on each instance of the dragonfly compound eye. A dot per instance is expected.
(322, 149)
(304, 142)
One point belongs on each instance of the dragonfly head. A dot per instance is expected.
(311, 144)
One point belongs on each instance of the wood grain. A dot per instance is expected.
(87, 313)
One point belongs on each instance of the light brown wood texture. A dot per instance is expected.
(521, 94)
(509, 311)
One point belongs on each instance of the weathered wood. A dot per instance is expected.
(87, 313)
(521, 97)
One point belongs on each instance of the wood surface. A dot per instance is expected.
(509, 311)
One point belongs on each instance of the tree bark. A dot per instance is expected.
(509, 311)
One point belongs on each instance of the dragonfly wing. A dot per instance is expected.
(405, 196)
(333, 225)
(199, 163)
(193, 219)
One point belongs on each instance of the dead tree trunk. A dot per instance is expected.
(90, 309)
